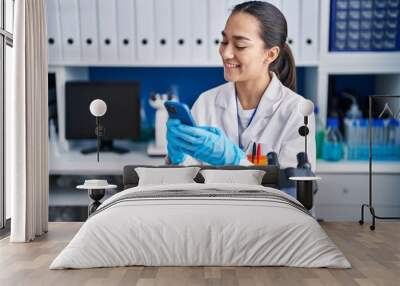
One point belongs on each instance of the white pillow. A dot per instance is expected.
(166, 176)
(249, 177)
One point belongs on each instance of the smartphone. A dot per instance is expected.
(181, 111)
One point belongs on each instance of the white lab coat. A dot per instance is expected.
(275, 123)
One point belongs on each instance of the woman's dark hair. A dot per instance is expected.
(273, 31)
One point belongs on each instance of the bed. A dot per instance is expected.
(201, 224)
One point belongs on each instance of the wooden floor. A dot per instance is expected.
(374, 255)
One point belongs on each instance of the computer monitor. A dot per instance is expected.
(121, 121)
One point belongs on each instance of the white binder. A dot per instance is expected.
(181, 28)
(89, 33)
(199, 38)
(145, 30)
(126, 42)
(71, 42)
(107, 13)
(291, 10)
(163, 30)
(53, 31)
(217, 19)
(309, 31)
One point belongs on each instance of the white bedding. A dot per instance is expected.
(200, 231)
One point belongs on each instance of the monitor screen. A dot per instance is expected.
(122, 119)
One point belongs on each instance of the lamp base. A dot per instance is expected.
(305, 193)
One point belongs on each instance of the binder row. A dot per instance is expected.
(160, 32)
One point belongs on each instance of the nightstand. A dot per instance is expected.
(96, 191)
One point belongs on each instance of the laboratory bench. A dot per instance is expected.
(72, 162)
(341, 191)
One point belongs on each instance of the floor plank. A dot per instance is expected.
(374, 255)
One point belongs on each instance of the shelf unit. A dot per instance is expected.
(350, 63)
(357, 167)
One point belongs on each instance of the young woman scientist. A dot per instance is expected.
(258, 104)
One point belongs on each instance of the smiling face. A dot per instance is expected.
(242, 50)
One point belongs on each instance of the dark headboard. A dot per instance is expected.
(272, 177)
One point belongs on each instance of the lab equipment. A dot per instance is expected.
(178, 110)
(354, 112)
(373, 101)
(98, 108)
(122, 120)
(305, 108)
(393, 139)
(175, 154)
(253, 153)
(364, 25)
(333, 145)
(258, 155)
(272, 159)
(383, 134)
(319, 132)
(378, 138)
(302, 161)
(353, 135)
(207, 144)
(159, 146)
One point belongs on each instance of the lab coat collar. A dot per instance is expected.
(271, 98)
(270, 101)
(226, 98)
(268, 104)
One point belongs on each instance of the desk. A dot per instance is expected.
(74, 163)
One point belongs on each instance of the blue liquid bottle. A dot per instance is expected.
(333, 144)
(392, 145)
(319, 133)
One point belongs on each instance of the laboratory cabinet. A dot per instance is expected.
(341, 194)
(161, 32)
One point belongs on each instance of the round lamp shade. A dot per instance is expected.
(98, 107)
(306, 108)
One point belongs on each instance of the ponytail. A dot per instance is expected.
(273, 31)
(285, 68)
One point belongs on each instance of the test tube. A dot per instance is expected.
(364, 139)
(397, 140)
(357, 139)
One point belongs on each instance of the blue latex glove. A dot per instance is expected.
(175, 155)
(207, 144)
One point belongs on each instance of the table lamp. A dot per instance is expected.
(98, 108)
(305, 108)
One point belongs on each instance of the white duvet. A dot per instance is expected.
(200, 231)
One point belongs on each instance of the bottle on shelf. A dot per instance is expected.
(397, 141)
(351, 130)
(364, 140)
(378, 139)
(354, 111)
(319, 132)
(333, 144)
(351, 126)
(393, 140)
